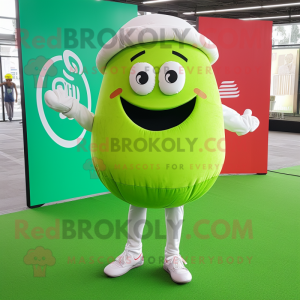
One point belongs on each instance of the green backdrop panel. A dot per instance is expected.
(58, 169)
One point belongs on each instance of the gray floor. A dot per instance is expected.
(12, 175)
(284, 151)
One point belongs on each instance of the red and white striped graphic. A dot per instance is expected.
(228, 89)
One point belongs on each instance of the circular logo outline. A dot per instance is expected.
(60, 141)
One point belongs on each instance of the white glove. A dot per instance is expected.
(241, 125)
(251, 121)
(59, 101)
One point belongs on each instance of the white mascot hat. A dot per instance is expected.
(155, 28)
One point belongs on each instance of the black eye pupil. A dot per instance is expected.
(171, 76)
(142, 77)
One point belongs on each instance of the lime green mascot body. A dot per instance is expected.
(186, 159)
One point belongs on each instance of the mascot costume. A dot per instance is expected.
(158, 109)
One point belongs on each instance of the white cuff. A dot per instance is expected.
(81, 114)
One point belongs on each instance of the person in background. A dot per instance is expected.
(9, 95)
(289, 67)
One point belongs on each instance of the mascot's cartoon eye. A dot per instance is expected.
(171, 78)
(142, 78)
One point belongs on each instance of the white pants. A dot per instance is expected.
(136, 222)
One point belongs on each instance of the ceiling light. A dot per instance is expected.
(277, 5)
(205, 12)
(155, 1)
(189, 13)
(233, 9)
(229, 9)
(239, 8)
(277, 17)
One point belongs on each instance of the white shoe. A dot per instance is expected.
(174, 265)
(123, 263)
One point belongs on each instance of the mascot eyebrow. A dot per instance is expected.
(180, 55)
(137, 55)
(143, 52)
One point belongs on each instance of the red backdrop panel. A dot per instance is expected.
(245, 49)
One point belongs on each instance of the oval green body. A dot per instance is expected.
(166, 168)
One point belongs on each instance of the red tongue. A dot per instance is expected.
(200, 93)
(116, 93)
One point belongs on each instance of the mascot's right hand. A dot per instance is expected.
(59, 100)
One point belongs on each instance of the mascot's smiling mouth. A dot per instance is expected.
(157, 120)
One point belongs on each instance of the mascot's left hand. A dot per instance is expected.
(250, 121)
(240, 124)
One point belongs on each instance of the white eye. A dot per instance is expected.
(171, 78)
(142, 78)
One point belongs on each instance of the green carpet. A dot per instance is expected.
(291, 170)
(270, 202)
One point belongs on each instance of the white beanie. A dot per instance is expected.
(155, 28)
